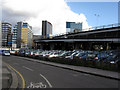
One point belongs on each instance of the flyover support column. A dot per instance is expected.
(41, 46)
(52, 46)
(78, 45)
(108, 47)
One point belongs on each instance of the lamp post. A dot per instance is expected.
(97, 16)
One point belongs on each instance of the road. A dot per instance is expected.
(37, 75)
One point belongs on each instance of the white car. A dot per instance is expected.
(6, 53)
(12, 51)
(53, 55)
(71, 56)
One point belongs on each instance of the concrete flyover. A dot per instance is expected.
(105, 38)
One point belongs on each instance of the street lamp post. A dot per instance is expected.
(97, 16)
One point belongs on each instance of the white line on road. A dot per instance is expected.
(46, 81)
(27, 68)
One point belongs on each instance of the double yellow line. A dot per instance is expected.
(23, 81)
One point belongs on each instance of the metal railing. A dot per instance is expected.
(90, 29)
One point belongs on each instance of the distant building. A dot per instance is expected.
(46, 29)
(24, 35)
(73, 27)
(19, 27)
(36, 37)
(14, 37)
(9, 40)
(6, 31)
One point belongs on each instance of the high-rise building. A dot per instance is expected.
(73, 27)
(14, 37)
(18, 42)
(46, 29)
(24, 35)
(9, 40)
(6, 32)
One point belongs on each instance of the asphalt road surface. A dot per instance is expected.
(37, 75)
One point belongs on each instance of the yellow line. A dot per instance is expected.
(23, 81)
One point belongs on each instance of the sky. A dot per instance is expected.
(58, 12)
(119, 12)
(97, 13)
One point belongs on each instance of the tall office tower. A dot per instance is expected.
(18, 42)
(14, 37)
(0, 34)
(6, 30)
(9, 40)
(24, 35)
(73, 27)
(46, 29)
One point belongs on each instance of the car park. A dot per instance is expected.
(76, 57)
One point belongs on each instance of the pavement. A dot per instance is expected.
(9, 77)
(88, 70)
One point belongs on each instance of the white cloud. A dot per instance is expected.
(55, 11)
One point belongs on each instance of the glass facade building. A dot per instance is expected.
(14, 37)
(24, 35)
(6, 30)
(46, 29)
(73, 27)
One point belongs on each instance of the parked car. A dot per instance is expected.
(63, 54)
(115, 61)
(79, 56)
(55, 54)
(101, 56)
(27, 53)
(112, 57)
(6, 53)
(12, 51)
(71, 56)
(36, 54)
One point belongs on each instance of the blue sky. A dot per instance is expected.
(107, 11)
(58, 13)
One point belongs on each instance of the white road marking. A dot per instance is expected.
(46, 81)
(37, 85)
(27, 68)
